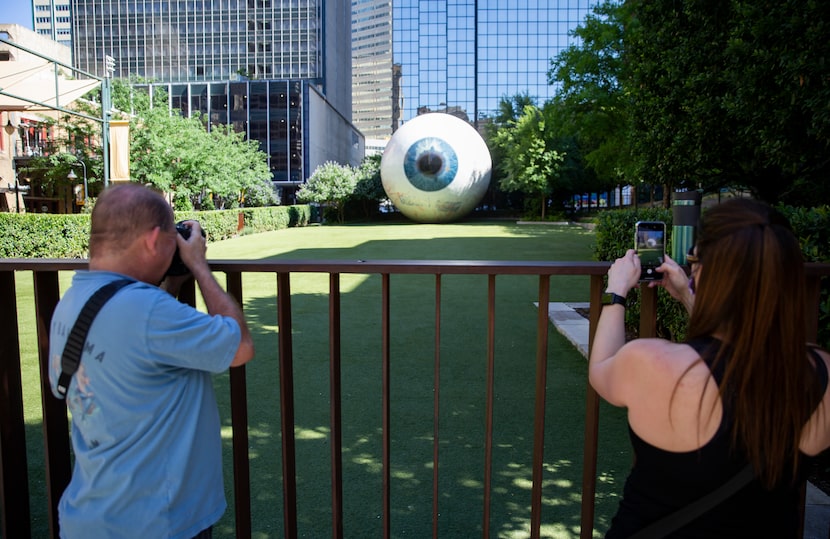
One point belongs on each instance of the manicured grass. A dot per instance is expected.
(463, 386)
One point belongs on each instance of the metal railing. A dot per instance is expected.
(15, 483)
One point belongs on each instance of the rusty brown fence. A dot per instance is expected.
(15, 483)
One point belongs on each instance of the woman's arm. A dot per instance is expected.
(605, 369)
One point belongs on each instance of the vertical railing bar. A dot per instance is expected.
(589, 452)
(14, 481)
(336, 397)
(436, 406)
(648, 312)
(239, 423)
(55, 422)
(187, 292)
(539, 413)
(488, 434)
(385, 324)
(289, 456)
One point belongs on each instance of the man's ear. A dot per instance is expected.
(150, 240)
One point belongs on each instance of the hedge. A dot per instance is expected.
(44, 235)
(615, 235)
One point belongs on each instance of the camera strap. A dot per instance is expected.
(71, 358)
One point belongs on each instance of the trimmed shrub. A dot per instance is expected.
(43, 235)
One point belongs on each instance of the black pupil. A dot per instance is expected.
(430, 163)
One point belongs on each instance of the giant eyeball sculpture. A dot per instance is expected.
(436, 168)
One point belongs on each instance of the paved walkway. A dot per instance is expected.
(575, 328)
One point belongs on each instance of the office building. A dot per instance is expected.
(53, 19)
(278, 70)
(372, 72)
(455, 56)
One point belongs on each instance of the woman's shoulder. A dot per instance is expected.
(650, 353)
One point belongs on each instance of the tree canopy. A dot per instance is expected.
(703, 94)
(202, 169)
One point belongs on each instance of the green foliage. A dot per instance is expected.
(529, 161)
(812, 227)
(592, 108)
(732, 93)
(43, 235)
(330, 185)
(213, 169)
(368, 190)
(614, 236)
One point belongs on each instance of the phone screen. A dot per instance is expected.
(650, 244)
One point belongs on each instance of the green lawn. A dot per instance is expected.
(464, 324)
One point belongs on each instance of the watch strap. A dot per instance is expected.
(610, 298)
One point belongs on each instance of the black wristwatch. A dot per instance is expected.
(610, 298)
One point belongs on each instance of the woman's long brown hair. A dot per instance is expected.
(750, 293)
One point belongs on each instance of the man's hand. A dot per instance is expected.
(192, 250)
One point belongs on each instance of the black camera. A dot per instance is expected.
(177, 267)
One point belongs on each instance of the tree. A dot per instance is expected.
(732, 93)
(204, 170)
(591, 111)
(330, 185)
(530, 163)
(368, 190)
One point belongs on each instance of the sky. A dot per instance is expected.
(16, 12)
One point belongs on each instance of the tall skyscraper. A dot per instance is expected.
(454, 56)
(372, 79)
(462, 56)
(277, 70)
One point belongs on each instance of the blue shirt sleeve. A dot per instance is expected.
(180, 336)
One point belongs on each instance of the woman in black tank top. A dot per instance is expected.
(744, 391)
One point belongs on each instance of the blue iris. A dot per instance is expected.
(430, 164)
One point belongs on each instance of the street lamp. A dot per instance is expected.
(72, 176)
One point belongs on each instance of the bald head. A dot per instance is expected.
(122, 213)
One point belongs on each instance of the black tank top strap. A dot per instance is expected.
(821, 369)
(707, 348)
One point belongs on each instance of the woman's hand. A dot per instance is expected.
(624, 273)
(676, 282)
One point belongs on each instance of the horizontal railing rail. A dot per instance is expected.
(14, 481)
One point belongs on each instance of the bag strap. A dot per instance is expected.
(71, 358)
(683, 516)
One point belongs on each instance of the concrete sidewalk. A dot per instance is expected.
(574, 327)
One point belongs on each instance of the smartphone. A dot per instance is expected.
(650, 244)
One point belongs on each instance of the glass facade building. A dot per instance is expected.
(277, 70)
(372, 67)
(462, 56)
(270, 112)
(173, 41)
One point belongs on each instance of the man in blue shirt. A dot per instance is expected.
(145, 424)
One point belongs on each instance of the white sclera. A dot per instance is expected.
(436, 168)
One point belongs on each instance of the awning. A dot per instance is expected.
(32, 86)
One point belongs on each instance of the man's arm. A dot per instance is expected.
(217, 301)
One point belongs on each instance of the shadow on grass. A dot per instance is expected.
(462, 397)
(461, 414)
